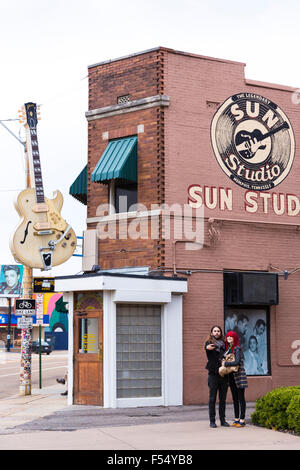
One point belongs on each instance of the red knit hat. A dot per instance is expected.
(235, 337)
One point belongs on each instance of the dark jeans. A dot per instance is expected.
(238, 396)
(217, 383)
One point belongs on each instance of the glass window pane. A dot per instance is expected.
(88, 335)
(139, 351)
(125, 197)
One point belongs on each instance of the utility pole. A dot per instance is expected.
(25, 368)
(8, 325)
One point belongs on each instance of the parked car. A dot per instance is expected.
(46, 347)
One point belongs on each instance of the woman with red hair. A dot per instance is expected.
(237, 380)
(215, 348)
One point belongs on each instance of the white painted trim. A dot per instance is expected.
(141, 297)
(111, 207)
(173, 352)
(109, 351)
(131, 106)
(103, 282)
(135, 402)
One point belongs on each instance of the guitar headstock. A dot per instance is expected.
(30, 115)
(285, 125)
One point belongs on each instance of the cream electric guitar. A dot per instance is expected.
(43, 238)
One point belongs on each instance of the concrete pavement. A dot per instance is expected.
(43, 421)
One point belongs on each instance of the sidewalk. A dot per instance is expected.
(44, 421)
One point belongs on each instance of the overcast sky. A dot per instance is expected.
(46, 47)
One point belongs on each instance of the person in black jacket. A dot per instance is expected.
(215, 348)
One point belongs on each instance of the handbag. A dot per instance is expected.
(227, 370)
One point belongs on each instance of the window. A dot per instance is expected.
(138, 351)
(88, 336)
(252, 326)
(125, 196)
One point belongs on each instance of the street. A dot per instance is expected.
(53, 366)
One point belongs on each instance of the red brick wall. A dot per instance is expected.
(197, 87)
(140, 77)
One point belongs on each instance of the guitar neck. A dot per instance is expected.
(36, 166)
(268, 134)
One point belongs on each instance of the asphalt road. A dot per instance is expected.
(53, 366)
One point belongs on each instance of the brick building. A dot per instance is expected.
(211, 159)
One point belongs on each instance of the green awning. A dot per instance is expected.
(79, 188)
(118, 161)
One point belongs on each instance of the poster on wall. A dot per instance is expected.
(11, 276)
(251, 326)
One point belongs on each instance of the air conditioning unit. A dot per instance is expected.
(250, 288)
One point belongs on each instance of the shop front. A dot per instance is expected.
(125, 339)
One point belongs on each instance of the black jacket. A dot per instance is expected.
(214, 359)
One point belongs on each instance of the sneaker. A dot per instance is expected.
(235, 422)
(240, 424)
(213, 425)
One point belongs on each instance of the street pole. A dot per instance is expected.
(8, 325)
(25, 370)
(40, 356)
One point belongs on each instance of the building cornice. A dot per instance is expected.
(131, 106)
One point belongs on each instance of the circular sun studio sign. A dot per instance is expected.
(253, 141)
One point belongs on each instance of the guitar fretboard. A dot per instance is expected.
(37, 171)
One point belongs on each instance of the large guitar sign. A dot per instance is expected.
(43, 238)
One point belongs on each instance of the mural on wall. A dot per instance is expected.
(55, 307)
(253, 141)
